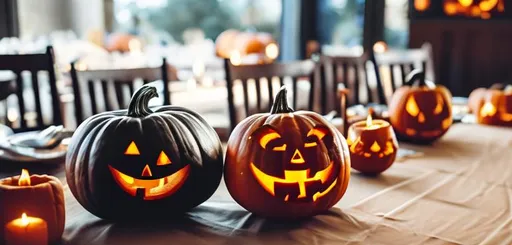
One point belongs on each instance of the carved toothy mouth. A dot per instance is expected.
(428, 133)
(297, 183)
(151, 189)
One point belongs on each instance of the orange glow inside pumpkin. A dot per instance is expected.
(163, 159)
(153, 188)
(24, 179)
(132, 149)
(488, 110)
(295, 176)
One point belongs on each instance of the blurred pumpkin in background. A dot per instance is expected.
(232, 42)
(123, 42)
(492, 106)
(420, 111)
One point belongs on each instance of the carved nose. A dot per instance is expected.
(297, 157)
(421, 118)
(146, 172)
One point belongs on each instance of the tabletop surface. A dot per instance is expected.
(457, 191)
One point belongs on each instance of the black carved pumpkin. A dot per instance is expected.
(142, 163)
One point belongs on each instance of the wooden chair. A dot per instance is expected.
(34, 63)
(113, 84)
(355, 74)
(245, 73)
(394, 65)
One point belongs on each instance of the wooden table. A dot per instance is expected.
(458, 192)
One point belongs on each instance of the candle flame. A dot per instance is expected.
(24, 219)
(369, 120)
(24, 179)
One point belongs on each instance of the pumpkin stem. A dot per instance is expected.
(281, 103)
(139, 104)
(416, 76)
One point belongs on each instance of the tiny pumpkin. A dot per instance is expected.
(492, 106)
(420, 111)
(141, 163)
(373, 146)
(286, 164)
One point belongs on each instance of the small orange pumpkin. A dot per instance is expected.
(420, 111)
(492, 106)
(245, 43)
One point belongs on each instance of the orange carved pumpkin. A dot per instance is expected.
(420, 111)
(286, 164)
(492, 106)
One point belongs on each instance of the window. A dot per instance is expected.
(340, 22)
(183, 21)
(396, 23)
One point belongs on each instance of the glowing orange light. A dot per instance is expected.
(163, 159)
(317, 132)
(153, 188)
(132, 149)
(24, 219)
(485, 15)
(439, 105)
(412, 107)
(488, 110)
(24, 179)
(297, 158)
(488, 5)
(375, 147)
(267, 138)
(380, 47)
(369, 122)
(146, 172)
(299, 177)
(235, 58)
(466, 3)
(450, 8)
(272, 51)
(446, 123)
(421, 5)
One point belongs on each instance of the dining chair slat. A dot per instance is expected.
(270, 93)
(33, 63)
(246, 96)
(258, 95)
(106, 95)
(295, 95)
(281, 71)
(114, 83)
(92, 97)
(35, 87)
(21, 100)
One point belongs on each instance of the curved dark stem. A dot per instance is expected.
(139, 104)
(281, 103)
(416, 77)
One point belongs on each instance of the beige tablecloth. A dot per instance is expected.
(457, 191)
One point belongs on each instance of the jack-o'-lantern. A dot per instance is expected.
(373, 146)
(492, 106)
(286, 164)
(420, 111)
(143, 163)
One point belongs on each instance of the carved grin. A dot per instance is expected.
(151, 189)
(297, 184)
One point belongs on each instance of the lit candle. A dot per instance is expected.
(38, 195)
(26, 231)
(372, 145)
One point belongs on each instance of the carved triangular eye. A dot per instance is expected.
(132, 149)
(163, 159)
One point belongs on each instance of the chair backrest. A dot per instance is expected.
(394, 65)
(355, 73)
(34, 63)
(245, 73)
(113, 85)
